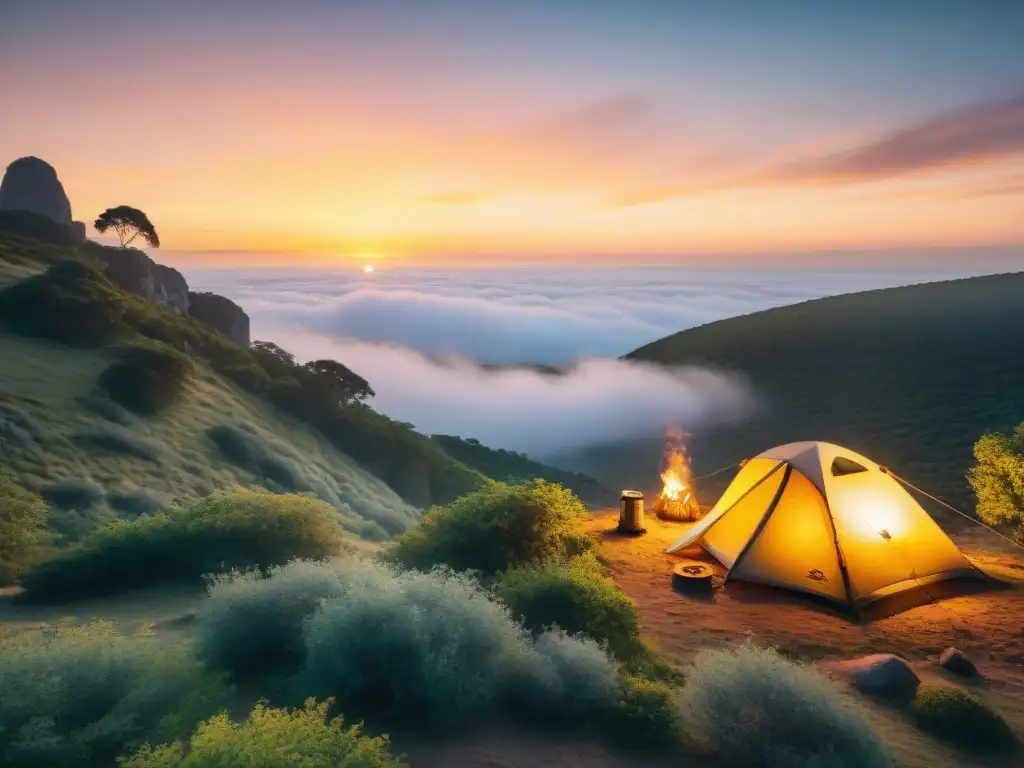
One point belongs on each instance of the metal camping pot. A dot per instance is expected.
(631, 512)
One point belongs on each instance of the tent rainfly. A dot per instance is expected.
(819, 518)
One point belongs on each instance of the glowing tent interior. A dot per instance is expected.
(822, 519)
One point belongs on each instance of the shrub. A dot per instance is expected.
(118, 439)
(23, 531)
(577, 683)
(253, 625)
(71, 302)
(958, 717)
(575, 596)
(233, 528)
(426, 647)
(496, 528)
(271, 738)
(80, 696)
(430, 648)
(137, 502)
(249, 452)
(646, 714)
(108, 409)
(18, 427)
(998, 480)
(149, 376)
(70, 493)
(757, 708)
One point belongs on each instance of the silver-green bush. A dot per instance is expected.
(752, 706)
(78, 696)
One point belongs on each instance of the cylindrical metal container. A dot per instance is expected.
(631, 512)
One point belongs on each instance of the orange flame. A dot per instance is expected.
(676, 479)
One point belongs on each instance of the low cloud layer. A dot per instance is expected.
(418, 337)
(597, 400)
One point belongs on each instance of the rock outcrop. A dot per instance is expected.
(31, 184)
(222, 314)
(134, 271)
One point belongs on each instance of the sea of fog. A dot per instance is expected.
(417, 335)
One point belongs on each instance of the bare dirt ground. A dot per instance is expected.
(987, 625)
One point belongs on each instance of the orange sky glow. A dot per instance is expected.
(409, 155)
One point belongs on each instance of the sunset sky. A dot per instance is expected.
(431, 131)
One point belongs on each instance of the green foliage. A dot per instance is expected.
(137, 502)
(23, 532)
(646, 714)
(249, 452)
(958, 717)
(234, 528)
(271, 738)
(577, 597)
(435, 649)
(118, 439)
(70, 493)
(71, 302)
(998, 480)
(414, 466)
(128, 223)
(754, 707)
(496, 528)
(75, 696)
(108, 409)
(148, 377)
(336, 383)
(427, 648)
(250, 625)
(511, 467)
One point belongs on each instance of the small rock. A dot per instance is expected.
(881, 674)
(956, 662)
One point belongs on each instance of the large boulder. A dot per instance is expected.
(882, 674)
(31, 184)
(222, 314)
(133, 271)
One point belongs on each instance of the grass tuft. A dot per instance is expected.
(249, 452)
(71, 493)
(148, 377)
(118, 439)
(960, 718)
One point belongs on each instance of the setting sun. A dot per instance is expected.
(368, 268)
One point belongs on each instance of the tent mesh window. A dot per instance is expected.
(843, 466)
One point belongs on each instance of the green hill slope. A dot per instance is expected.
(512, 467)
(237, 421)
(910, 377)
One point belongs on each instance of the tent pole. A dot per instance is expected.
(762, 523)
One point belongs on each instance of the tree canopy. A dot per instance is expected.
(128, 223)
(998, 480)
(341, 382)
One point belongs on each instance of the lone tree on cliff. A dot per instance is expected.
(129, 223)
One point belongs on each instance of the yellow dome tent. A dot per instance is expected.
(819, 518)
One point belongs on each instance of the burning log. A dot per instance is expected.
(677, 501)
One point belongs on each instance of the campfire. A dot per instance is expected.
(677, 500)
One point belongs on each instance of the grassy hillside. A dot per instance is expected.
(95, 460)
(236, 420)
(910, 377)
(512, 467)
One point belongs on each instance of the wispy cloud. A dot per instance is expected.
(973, 134)
(961, 138)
